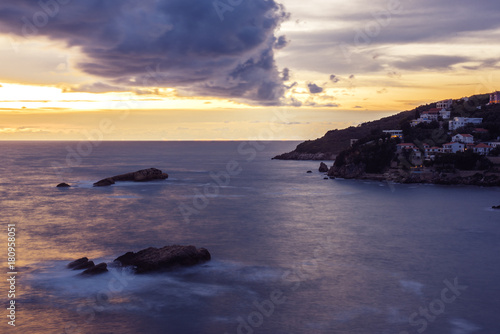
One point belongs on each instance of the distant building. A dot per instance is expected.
(453, 147)
(459, 122)
(480, 130)
(463, 138)
(495, 97)
(494, 144)
(395, 133)
(445, 104)
(353, 141)
(407, 146)
(482, 149)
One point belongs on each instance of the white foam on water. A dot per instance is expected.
(412, 286)
(462, 326)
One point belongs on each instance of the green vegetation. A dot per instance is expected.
(334, 141)
(375, 152)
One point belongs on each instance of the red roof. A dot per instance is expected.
(483, 145)
(466, 135)
(406, 144)
(480, 130)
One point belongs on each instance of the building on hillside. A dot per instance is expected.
(482, 149)
(395, 133)
(453, 147)
(463, 138)
(445, 104)
(495, 97)
(480, 131)
(494, 144)
(459, 122)
(407, 146)
(353, 141)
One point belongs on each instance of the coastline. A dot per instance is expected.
(467, 178)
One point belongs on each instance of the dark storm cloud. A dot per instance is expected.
(172, 43)
(314, 89)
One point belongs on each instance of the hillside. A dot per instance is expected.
(335, 141)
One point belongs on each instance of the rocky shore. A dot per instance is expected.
(305, 156)
(471, 178)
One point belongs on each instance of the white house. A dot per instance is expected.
(407, 146)
(494, 144)
(395, 133)
(459, 122)
(453, 147)
(445, 114)
(482, 149)
(463, 138)
(445, 104)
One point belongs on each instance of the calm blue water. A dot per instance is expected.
(292, 252)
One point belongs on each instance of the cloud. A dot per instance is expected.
(314, 89)
(429, 62)
(334, 78)
(286, 74)
(166, 43)
(281, 42)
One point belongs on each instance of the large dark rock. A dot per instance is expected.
(63, 185)
(78, 263)
(96, 270)
(168, 257)
(496, 207)
(323, 168)
(142, 175)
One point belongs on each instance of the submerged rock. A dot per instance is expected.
(323, 168)
(168, 257)
(96, 270)
(63, 185)
(142, 175)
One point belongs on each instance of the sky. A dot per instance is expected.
(234, 69)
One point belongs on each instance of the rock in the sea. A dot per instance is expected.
(96, 270)
(496, 207)
(104, 182)
(142, 175)
(323, 168)
(155, 259)
(63, 185)
(325, 178)
(78, 263)
(309, 172)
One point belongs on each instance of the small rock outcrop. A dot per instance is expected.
(142, 175)
(77, 263)
(96, 270)
(82, 263)
(63, 185)
(309, 172)
(89, 266)
(157, 259)
(496, 207)
(323, 168)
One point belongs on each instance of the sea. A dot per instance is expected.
(292, 252)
